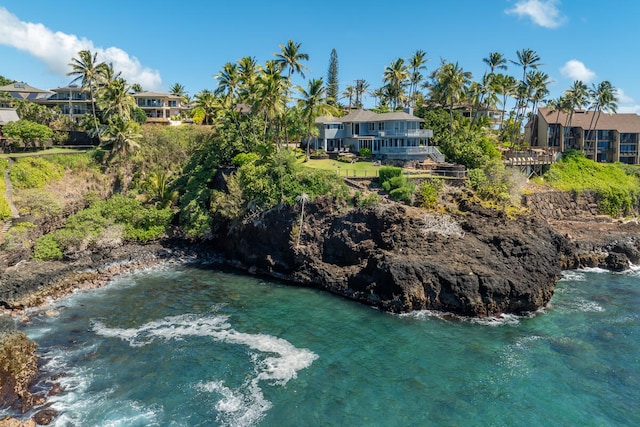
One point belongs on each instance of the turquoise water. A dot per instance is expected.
(182, 346)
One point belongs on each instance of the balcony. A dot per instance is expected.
(409, 152)
(408, 133)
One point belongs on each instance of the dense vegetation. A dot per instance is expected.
(617, 189)
(103, 224)
(5, 209)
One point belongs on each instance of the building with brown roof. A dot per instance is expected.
(603, 137)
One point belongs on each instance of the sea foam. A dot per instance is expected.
(277, 361)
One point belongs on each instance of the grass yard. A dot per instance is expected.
(47, 152)
(357, 169)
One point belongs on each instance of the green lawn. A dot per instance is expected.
(357, 169)
(47, 152)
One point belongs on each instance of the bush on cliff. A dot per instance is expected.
(392, 181)
(103, 224)
(616, 190)
(34, 172)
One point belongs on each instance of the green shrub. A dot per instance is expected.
(47, 248)
(34, 172)
(366, 152)
(402, 194)
(38, 203)
(429, 192)
(387, 172)
(372, 199)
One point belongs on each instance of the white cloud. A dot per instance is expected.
(56, 49)
(576, 70)
(541, 12)
(626, 104)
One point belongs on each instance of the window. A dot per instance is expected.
(380, 125)
(372, 126)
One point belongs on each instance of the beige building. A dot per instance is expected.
(603, 137)
(159, 107)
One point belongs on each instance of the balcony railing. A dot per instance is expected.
(430, 151)
(409, 133)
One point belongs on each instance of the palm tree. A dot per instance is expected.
(115, 99)
(123, 133)
(247, 74)
(349, 93)
(272, 91)
(290, 58)
(504, 85)
(87, 69)
(228, 80)
(362, 87)
(450, 84)
(558, 105)
(416, 64)
(538, 90)
(396, 76)
(603, 98)
(206, 100)
(495, 61)
(577, 97)
(314, 103)
(136, 88)
(527, 58)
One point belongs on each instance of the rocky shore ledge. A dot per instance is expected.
(475, 262)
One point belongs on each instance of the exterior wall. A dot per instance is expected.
(562, 205)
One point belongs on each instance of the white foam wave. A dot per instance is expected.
(244, 406)
(573, 276)
(278, 360)
(582, 305)
(500, 320)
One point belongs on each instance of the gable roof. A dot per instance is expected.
(8, 115)
(24, 91)
(624, 123)
(360, 116)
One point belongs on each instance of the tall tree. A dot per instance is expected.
(577, 97)
(272, 94)
(450, 82)
(90, 72)
(206, 100)
(115, 99)
(136, 88)
(504, 85)
(313, 103)
(361, 88)
(495, 61)
(396, 76)
(333, 86)
(349, 93)
(124, 133)
(527, 58)
(290, 58)
(603, 98)
(416, 65)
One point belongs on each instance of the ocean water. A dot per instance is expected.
(186, 346)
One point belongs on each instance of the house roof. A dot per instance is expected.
(155, 95)
(8, 115)
(68, 88)
(360, 116)
(624, 123)
(24, 91)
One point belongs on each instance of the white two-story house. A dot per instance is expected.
(390, 136)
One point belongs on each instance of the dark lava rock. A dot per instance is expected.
(399, 259)
(45, 416)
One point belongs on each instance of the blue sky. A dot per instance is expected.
(159, 43)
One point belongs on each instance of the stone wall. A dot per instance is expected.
(562, 204)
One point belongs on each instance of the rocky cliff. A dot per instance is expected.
(474, 263)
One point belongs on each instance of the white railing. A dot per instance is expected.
(410, 133)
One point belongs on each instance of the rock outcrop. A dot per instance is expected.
(399, 259)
